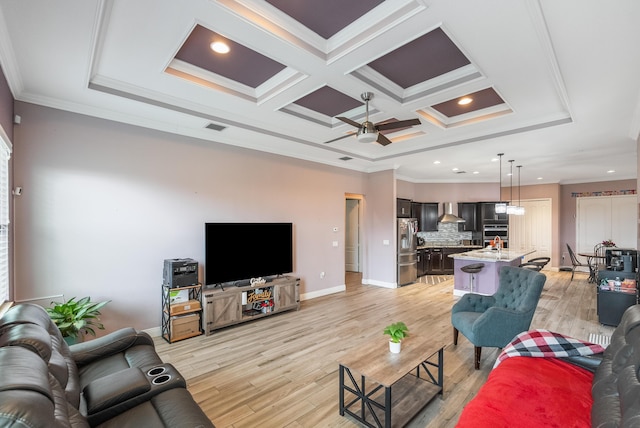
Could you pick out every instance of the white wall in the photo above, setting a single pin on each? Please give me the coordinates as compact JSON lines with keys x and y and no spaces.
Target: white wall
{"x":104,"y":204}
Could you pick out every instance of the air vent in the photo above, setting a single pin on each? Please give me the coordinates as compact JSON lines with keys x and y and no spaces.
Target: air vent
{"x":460,"y":172}
{"x":345,"y":158}
{"x":215,"y":127}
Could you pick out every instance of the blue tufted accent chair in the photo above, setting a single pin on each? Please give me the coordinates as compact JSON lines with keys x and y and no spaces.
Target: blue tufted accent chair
{"x":493,"y":321}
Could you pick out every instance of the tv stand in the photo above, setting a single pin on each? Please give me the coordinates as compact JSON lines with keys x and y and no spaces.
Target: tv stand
{"x":234,"y":305}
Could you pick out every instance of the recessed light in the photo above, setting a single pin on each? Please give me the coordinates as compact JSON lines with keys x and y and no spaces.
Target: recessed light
{"x":220,"y":47}
{"x":454,"y":169}
{"x":436,"y":162}
{"x":611,"y":171}
{"x":464,"y":101}
{"x":476,"y":172}
{"x":494,"y":160}
{"x":539,"y":178}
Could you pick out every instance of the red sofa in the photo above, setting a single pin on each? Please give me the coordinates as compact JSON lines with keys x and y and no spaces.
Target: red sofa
{"x":595,"y":391}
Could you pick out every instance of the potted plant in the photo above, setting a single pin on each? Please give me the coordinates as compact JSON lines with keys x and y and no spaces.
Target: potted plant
{"x":75,"y":316}
{"x":397,"y":331}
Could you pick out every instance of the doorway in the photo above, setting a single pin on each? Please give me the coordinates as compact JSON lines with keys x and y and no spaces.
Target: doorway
{"x":353,"y":239}
{"x":352,"y":236}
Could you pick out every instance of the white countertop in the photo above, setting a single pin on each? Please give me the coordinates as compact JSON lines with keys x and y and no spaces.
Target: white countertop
{"x":487,"y":255}
{"x":422,"y":247}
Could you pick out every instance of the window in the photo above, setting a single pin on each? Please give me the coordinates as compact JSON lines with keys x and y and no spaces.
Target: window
{"x":5,"y":153}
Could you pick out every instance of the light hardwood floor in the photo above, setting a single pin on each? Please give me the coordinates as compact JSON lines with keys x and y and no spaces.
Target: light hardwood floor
{"x":281,"y":371}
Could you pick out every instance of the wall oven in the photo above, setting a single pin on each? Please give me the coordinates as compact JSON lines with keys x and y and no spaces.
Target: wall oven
{"x":490,"y":231}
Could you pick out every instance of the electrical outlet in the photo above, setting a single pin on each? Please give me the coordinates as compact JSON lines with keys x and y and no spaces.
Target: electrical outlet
{"x":321,"y":275}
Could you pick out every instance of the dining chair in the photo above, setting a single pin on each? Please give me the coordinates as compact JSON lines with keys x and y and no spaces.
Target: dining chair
{"x":598,"y":260}
{"x":599,"y":250}
{"x":575,"y":262}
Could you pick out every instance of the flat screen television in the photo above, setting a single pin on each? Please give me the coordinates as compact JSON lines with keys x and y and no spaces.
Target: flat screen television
{"x":241,"y":251}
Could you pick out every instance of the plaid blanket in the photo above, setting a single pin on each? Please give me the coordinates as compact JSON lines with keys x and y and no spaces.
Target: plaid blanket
{"x":545,"y":343}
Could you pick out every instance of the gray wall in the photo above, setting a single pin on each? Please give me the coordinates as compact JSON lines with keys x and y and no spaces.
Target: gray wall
{"x":104,"y":204}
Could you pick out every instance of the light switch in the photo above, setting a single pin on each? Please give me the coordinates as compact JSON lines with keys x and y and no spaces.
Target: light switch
{"x":385,"y":242}
{"x":335,"y":243}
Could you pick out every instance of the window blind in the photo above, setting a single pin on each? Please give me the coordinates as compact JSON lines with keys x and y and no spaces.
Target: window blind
{"x":5,"y":153}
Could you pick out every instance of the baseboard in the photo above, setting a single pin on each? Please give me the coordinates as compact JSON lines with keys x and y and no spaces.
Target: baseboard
{"x":323,"y":292}
{"x":379,"y":283}
{"x":459,"y":293}
{"x":154,"y":331}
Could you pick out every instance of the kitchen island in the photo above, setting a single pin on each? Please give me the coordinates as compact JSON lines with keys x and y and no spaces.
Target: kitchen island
{"x":486,"y":281}
{"x":435,"y":260}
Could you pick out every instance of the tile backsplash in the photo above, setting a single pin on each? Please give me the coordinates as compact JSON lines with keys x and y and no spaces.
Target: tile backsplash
{"x":447,"y":234}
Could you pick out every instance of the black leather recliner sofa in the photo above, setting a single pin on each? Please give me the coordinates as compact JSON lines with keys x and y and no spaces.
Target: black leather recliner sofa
{"x":117,"y":380}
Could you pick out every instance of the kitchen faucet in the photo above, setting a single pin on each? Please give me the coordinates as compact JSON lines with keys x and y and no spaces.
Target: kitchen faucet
{"x":497,"y":241}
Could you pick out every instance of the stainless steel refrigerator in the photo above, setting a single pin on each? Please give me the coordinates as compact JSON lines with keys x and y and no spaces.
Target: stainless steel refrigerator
{"x":407,"y":251}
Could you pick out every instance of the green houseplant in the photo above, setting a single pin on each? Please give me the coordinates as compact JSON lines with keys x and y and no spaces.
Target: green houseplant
{"x":396,"y":331}
{"x":74,"y":316}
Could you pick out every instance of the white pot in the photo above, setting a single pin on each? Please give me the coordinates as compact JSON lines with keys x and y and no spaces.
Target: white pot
{"x":394,"y":347}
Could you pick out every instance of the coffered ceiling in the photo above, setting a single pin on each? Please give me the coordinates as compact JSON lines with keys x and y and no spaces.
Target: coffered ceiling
{"x":553,"y":84}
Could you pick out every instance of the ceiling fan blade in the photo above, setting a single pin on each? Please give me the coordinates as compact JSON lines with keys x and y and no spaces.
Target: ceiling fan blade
{"x":398,"y":124}
{"x":383,"y":140}
{"x":349,"y":121}
{"x":350,"y":134}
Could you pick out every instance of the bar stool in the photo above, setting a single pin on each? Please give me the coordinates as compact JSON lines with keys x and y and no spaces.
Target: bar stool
{"x":472,"y":270}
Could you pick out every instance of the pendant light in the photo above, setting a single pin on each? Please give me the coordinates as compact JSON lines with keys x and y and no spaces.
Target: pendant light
{"x":501,"y":207}
{"x":519,"y":208}
{"x":511,"y":209}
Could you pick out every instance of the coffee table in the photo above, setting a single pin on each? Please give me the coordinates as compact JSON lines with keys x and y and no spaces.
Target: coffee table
{"x":392,"y":387}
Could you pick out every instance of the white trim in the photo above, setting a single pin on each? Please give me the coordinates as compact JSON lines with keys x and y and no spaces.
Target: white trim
{"x":154,"y":331}
{"x":323,"y":292}
{"x":459,"y":293}
{"x":379,"y":283}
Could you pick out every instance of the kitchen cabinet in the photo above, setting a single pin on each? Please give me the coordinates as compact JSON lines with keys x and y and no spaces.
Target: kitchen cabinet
{"x":447,"y":262}
{"x":487,"y":213}
{"x":423,"y":259}
{"x":427,"y":215}
{"x":403,"y":208}
{"x":435,"y":263}
{"x":469,"y":212}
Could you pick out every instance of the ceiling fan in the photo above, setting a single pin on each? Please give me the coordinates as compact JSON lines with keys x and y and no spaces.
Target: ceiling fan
{"x":369,"y":132}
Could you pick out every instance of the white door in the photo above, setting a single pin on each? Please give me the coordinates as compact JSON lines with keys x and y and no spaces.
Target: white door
{"x":352,"y":236}
{"x":533,"y":229}
{"x":623,"y":217}
{"x":593,"y":220}
{"x":601,"y":218}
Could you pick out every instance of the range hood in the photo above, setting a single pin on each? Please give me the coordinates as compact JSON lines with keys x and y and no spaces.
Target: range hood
{"x":448,"y":216}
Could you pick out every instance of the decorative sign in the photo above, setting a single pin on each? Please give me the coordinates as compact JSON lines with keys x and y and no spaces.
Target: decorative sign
{"x":603,"y":193}
{"x":259,"y":295}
